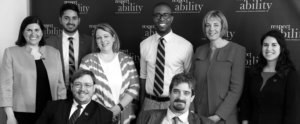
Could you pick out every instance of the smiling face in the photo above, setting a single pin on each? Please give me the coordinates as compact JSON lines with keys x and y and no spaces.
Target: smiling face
{"x":70,"y":21}
{"x":104,"y":40}
{"x":33,"y":34}
{"x":181,"y":97}
{"x":83,"y":89}
{"x":162,"y":18}
{"x":270,"y":49}
{"x":213,"y":28}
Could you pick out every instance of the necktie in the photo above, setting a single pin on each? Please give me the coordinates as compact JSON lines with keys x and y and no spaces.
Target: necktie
{"x":159,"y":69}
{"x":71,"y":58}
{"x":75,"y":115}
{"x":175,"y":120}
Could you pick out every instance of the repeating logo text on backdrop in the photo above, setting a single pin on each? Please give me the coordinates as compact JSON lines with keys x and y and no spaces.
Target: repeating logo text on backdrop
{"x":251,"y":59}
{"x":290,"y":33}
{"x":187,"y":6}
{"x":127,"y":7}
{"x":149,"y":30}
{"x":254,"y":6}
{"x":83,"y":8}
{"x":229,"y":35}
{"x":51,"y":30}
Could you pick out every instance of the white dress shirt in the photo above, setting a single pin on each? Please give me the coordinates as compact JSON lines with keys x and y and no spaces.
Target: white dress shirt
{"x":74,"y":108}
{"x":183,"y":118}
{"x":178,"y":56}
{"x":65,"y":49}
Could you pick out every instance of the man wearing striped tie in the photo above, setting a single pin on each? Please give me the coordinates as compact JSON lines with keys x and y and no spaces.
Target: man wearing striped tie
{"x":163,"y":55}
{"x":73,"y":46}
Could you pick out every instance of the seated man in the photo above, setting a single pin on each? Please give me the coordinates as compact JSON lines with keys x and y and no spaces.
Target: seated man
{"x":181,"y":93}
{"x":82,"y":109}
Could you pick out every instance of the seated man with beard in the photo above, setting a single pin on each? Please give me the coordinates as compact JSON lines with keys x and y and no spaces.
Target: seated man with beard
{"x":181,"y":93}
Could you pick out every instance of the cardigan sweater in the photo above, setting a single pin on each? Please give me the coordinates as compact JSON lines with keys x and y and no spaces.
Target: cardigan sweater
{"x":103,"y":93}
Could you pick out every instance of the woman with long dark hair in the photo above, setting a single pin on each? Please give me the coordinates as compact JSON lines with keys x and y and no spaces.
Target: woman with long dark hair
{"x":270,"y":95}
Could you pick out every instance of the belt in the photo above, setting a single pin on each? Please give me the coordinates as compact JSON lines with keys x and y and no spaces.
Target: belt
{"x":158,"y":99}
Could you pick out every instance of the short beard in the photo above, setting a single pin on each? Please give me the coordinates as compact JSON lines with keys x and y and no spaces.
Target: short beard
{"x":70,"y":32}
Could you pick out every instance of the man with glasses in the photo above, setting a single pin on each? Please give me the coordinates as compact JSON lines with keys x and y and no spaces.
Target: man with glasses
{"x":80,"y":110}
{"x":163,"y":55}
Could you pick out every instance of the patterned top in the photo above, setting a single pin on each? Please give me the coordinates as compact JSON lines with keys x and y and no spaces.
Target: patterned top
{"x":103,"y":93}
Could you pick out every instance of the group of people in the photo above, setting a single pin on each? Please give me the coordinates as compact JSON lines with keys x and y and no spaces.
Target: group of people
{"x":69,"y":79}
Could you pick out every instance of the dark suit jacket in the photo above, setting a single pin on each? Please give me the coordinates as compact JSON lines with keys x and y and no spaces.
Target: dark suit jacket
{"x":277,"y":103}
{"x":57,"y":112}
{"x":157,"y":116}
{"x":86,"y":45}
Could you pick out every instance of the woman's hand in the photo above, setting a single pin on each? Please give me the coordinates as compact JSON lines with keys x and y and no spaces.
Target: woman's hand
{"x":11,"y":120}
{"x":115,"y":110}
{"x":214,"y":118}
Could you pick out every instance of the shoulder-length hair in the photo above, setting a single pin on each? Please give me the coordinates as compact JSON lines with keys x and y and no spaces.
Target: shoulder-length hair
{"x":30,"y":20}
{"x":284,"y":63}
{"x":106,"y":27}
{"x":219,"y":15}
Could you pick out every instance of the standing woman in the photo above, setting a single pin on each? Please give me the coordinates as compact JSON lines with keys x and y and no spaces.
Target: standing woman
{"x":219,"y":70}
{"x":30,"y":75}
{"x":116,"y":76}
{"x":271,"y":94}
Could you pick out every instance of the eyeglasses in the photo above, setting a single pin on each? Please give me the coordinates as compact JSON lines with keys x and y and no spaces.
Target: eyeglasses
{"x":79,"y":85}
{"x":163,"y":15}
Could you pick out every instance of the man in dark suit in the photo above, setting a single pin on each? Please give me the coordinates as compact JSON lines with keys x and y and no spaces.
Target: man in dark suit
{"x":81,"y":44}
{"x":82,"y":109}
{"x":181,"y":93}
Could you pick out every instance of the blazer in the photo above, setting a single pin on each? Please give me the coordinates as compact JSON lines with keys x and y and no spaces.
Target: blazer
{"x":86,"y":46}
{"x":277,"y":103}
{"x":57,"y":112}
{"x":156,"y":117}
{"x":222,"y":80}
{"x":18,"y":77}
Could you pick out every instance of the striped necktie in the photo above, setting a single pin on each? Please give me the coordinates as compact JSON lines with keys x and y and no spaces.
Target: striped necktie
{"x":71,"y":57}
{"x":75,"y":115}
{"x":159,"y":68}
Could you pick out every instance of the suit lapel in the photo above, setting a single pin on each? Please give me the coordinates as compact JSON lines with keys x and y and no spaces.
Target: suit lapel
{"x":60,"y":48}
{"x":81,"y":47}
{"x":66,"y":111}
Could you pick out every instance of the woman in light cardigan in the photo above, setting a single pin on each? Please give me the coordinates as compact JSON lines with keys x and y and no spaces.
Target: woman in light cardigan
{"x":30,"y":75}
{"x":116,"y":76}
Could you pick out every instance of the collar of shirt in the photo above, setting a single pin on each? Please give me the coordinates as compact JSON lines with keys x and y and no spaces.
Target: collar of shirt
{"x":167,"y":37}
{"x":66,"y":36}
{"x":183,"y":117}
{"x":74,"y":107}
